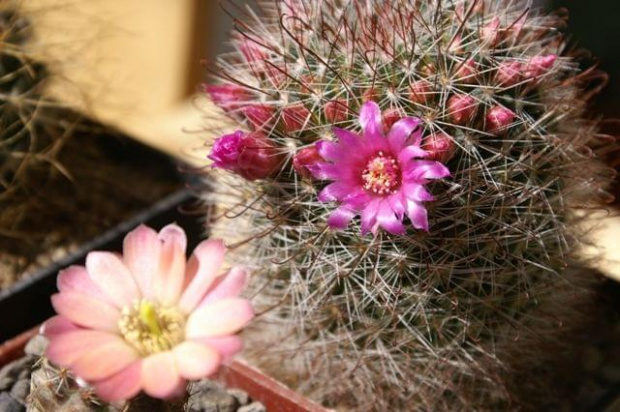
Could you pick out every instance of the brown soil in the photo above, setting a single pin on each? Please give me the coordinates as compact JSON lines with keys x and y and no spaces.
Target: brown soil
{"x":102,"y":179}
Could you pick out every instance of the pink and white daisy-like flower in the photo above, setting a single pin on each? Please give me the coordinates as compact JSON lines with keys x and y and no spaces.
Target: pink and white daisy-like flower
{"x":147,"y":320}
{"x":379,"y":177}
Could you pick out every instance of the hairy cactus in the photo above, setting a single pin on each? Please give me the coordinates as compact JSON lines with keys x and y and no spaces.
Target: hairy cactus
{"x":383,"y":314}
{"x":31,"y":132}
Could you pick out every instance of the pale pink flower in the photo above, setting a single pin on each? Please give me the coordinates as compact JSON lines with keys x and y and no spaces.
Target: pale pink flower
{"x":147,"y":320}
{"x":376,"y":176}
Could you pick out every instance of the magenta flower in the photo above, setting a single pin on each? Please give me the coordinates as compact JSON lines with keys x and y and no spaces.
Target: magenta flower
{"x":379,"y":177}
{"x":250,"y":155}
{"x":147,"y":320}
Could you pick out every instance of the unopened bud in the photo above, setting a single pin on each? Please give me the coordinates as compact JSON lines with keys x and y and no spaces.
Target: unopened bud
{"x":499,"y":119}
{"x":439,"y":146}
{"x":462,"y":109}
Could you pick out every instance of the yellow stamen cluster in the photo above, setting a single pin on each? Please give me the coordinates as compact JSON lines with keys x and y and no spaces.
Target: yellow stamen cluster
{"x":382,"y":175}
{"x":151,"y":328}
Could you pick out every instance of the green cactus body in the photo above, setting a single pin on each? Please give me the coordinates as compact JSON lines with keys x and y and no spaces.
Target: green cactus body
{"x":428,"y":321}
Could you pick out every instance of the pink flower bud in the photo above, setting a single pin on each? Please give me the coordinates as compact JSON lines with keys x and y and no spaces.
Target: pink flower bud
{"x":251,"y":51}
{"x":461,"y":109}
{"x":456,"y":46}
{"x":491,"y":34}
{"x":390,"y":117}
{"x":466,"y":72}
{"x":463,"y":8}
{"x":336,"y":111}
{"x":227,"y":96}
{"x":499,"y":119}
{"x":538,"y":66}
{"x":420,"y":91}
{"x":439,"y":146}
{"x":251,"y":156}
{"x":509,"y":73}
{"x":516,"y":28}
{"x":260,"y":116}
{"x":295,"y":117}
{"x":305,"y":159}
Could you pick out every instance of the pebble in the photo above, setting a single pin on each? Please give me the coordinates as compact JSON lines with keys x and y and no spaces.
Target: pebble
{"x":10,"y":373}
{"x":209,"y":396}
{"x":242,"y":397}
{"x":20,"y":390}
{"x":8,"y":404}
{"x":253,"y":407}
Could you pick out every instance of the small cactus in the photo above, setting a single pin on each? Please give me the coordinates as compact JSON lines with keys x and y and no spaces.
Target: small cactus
{"x":409,"y":320}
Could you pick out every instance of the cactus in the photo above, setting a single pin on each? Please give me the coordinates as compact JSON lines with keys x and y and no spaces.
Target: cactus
{"x":449,"y":319}
{"x":31,"y":132}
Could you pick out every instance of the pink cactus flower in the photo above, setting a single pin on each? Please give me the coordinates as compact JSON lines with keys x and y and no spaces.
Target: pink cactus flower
{"x":294,"y":117}
{"x":376,"y":176}
{"x":227,"y":96}
{"x":306,"y":160}
{"x":499,"y":119}
{"x":439,"y":146}
{"x":147,"y":320}
{"x":420,"y":91}
{"x":539,"y":65}
{"x":461,"y":109}
{"x":509,"y":73}
{"x":250,"y":155}
{"x":336,"y":111}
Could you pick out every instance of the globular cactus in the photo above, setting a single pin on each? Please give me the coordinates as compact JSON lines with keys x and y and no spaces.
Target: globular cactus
{"x":437,"y":301}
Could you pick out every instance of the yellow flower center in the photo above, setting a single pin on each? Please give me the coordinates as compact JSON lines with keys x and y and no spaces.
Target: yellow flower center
{"x":382,"y":175}
{"x":151,"y":328}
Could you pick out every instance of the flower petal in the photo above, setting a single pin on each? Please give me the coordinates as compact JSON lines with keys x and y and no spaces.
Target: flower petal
{"x":410,"y":152}
{"x":76,"y":279}
{"x":226,"y":286}
{"x":425,"y":169}
{"x":335,"y":191}
{"x":369,"y":217}
{"x":104,"y":360}
{"x":121,"y":386}
{"x":195,"y":360}
{"x":227,"y":346}
{"x":329,"y":150}
{"x":346,"y":139}
{"x":209,"y":255}
{"x":220,"y":318}
{"x":57,"y":325}
{"x":340,"y":218}
{"x":86,"y":311}
{"x":112,"y":277}
{"x":64,"y":349}
{"x":418,"y":215}
{"x":371,"y":121}
{"x":141,"y":254}
{"x":169,"y":280}
{"x":417,"y":192}
{"x":401,"y":130}
{"x":160,"y":376}
{"x":387,"y":220}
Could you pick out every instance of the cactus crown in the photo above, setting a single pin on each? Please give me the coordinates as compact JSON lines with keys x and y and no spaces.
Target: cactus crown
{"x":419,"y":315}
